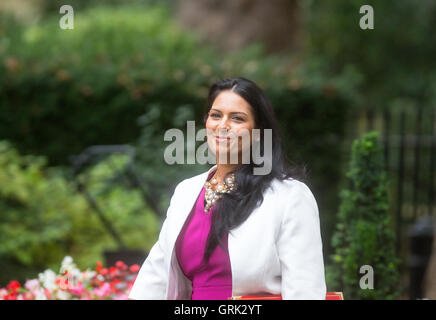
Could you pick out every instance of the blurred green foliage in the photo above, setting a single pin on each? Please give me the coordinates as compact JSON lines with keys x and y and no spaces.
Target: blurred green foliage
{"x":97,"y":79}
{"x":393,"y":62}
{"x":127,"y":74}
{"x":83,"y":86}
{"x":43,"y":218}
{"x":364,"y":234}
{"x":100,"y":77}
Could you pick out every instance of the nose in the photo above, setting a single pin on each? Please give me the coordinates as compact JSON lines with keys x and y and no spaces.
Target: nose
{"x":223,"y":126}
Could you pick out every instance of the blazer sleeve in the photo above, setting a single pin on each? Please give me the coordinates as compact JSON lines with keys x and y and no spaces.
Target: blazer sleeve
{"x":152,"y":279}
{"x":299,"y":247}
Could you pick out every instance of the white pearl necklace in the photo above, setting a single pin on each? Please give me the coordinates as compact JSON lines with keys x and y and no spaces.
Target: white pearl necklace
{"x":212,"y":196}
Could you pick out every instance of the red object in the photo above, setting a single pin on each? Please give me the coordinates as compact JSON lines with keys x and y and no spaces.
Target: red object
{"x":47,"y":293}
{"x":99,"y":266}
{"x":121,"y":265}
{"x":329,"y":296}
{"x":134,"y":268}
{"x":334,"y":296}
{"x":10,"y":296}
{"x":113,"y":284}
{"x":13,"y":285}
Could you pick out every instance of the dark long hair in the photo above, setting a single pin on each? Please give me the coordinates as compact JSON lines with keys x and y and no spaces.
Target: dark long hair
{"x":235,"y":207}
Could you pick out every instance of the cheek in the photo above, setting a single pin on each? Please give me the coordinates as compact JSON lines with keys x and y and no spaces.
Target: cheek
{"x":210,"y":137}
{"x":243,"y":138}
{"x":209,"y":128}
{"x":244,"y":130}
{"x":210,"y":125}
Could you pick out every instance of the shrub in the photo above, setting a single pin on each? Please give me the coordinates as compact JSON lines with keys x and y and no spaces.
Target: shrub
{"x":95,"y":81}
{"x":363,"y":235}
{"x":43,"y":217}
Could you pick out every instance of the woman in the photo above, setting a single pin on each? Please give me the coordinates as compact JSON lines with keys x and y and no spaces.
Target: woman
{"x":230,"y":232}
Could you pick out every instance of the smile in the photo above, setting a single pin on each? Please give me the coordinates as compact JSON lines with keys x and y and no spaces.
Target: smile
{"x":222,"y":139}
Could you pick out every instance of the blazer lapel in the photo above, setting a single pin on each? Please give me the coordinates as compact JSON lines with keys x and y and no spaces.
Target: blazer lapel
{"x":177,"y":281}
{"x":187,"y":200}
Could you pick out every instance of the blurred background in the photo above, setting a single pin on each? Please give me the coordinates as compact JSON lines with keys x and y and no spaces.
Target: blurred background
{"x":83,"y":112}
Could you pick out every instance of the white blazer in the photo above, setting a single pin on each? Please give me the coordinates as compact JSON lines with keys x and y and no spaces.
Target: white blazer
{"x":277,"y":250}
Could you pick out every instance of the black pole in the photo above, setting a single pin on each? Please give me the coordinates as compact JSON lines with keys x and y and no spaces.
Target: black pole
{"x":431,"y":191}
{"x":107,"y":224}
{"x":387,"y":127}
{"x":400,"y":183}
{"x":369,"y":119}
{"x":416,"y":160}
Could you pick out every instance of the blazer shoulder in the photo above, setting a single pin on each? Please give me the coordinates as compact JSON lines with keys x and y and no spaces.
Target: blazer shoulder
{"x":188,"y":182}
{"x":292,"y":188}
{"x":290,"y":185}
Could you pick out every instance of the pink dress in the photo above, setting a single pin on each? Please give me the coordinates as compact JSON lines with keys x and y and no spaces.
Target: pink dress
{"x":210,"y":281}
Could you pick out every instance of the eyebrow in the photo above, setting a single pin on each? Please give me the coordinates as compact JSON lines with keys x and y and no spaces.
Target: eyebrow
{"x":236,"y":112}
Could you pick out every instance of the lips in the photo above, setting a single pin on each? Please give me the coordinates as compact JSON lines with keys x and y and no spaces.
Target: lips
{"x":222,"y":139}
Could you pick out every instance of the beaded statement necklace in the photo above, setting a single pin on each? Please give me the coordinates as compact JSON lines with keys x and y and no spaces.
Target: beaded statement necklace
{"x":212,"y":196}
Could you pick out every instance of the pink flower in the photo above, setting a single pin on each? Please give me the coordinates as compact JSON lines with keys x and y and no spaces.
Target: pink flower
{"x":77,"y":290}
{"x":47,"y":293}
{"x":103,"y":291}
{"x":32,"y":285}
{"x":3,"y":292}
{"x":104,"y":283}
{"x":28,"y":296}
{"x":121,"y":296}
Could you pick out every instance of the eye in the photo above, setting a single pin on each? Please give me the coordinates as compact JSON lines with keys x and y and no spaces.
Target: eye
{"x":238,"y":118}
{"x":214,"y":115}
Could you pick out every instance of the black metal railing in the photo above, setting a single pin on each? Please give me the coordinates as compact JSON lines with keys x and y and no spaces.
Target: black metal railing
{"x":409,"y":142}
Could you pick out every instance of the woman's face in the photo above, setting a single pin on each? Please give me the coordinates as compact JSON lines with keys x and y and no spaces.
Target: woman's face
{"x":229,"y":117}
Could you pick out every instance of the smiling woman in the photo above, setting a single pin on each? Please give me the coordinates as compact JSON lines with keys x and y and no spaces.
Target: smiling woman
{"x":261,"y":234}
{"x":229,"y":118}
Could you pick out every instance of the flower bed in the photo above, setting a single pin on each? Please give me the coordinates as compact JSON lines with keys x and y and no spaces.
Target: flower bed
{"x":112,"y":283}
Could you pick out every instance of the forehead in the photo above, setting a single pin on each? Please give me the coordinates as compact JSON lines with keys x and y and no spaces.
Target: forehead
{"x":228,"y":101}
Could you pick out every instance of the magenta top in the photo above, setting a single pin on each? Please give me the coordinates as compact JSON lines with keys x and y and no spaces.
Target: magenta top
{"x":210,"y":281}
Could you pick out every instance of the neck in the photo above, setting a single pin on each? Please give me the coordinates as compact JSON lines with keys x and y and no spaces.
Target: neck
{"x":223,"y":169}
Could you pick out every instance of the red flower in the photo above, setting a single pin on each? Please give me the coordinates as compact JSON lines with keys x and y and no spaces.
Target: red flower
{"x":113,"y":271}
{"x":10,"y":296}
{"x":13,"y":285}
{"x":62,"y":283}
{"x":134,"y":268}
{"x":104,"y":271}
{"x":121,"y":265}
{"x":99,"y":266}
{"x":95,"y":282}
{"x":47,"y":293}
{"x":114,"y":284}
